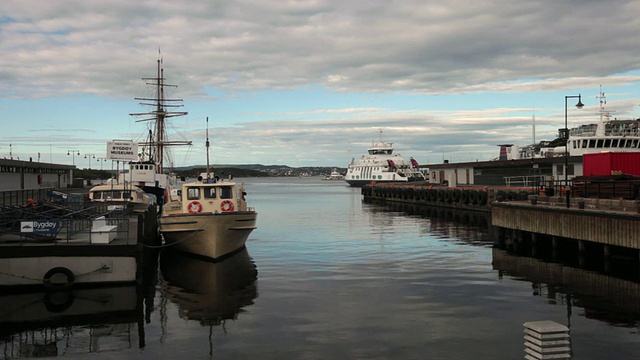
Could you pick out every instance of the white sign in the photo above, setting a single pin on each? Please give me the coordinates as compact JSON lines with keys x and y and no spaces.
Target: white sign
{"x":122,"y":150}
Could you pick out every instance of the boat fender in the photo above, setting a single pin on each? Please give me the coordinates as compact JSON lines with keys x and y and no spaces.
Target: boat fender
{"x":58,"y":278}
{"x":226,"y":205}
{"x":58,"y":301}
{"x":464,"y":197}
{"x":194,"y":207}
{"x":473,"y":197}
{"x":482,"y":197}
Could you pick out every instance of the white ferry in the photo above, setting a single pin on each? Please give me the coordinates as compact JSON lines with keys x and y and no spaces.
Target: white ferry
{"x":382,"y":165}
{"x":606,"y":135}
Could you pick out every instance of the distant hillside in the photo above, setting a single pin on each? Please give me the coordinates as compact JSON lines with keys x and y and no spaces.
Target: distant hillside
{"x":258,"y":170}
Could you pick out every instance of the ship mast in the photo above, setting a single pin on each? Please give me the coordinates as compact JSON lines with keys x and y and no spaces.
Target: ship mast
{"x":160,"y":104}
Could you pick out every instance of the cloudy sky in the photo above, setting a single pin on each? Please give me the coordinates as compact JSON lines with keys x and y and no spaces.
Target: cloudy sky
{"x":311,"y":82}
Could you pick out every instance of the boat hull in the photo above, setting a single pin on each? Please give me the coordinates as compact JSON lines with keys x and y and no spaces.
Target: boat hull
{"x":211,"y":235}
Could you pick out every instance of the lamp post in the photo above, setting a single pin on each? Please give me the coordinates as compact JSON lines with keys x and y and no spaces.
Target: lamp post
{"x":565,"y":136}
{"x":89,"y":156}
{"x":73,"y":155}
{"x":101,"y":160}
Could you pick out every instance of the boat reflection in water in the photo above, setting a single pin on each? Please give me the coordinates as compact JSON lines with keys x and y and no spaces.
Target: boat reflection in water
{"x":75,"y":321}
{"x":206,"y":291}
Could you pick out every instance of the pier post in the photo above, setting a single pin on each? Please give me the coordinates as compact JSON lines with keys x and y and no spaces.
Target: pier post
{"x":500,"y":235}
{"x":534,"y":244}
{"x":581,"y":253}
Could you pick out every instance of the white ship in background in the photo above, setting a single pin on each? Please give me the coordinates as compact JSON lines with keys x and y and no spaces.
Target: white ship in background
{"x":381,"y":165}
{"x":606,"y":135}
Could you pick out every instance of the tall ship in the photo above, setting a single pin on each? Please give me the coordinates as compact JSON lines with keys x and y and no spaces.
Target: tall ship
{"x":382,"y":165}
{"x":151,"y":171}
{"x":606,"y":135}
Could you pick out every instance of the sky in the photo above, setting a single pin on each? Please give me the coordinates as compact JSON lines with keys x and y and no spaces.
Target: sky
{"x":311,"y":82}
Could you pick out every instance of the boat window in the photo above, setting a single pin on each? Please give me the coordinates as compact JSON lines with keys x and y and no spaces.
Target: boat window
{"x":584,"y":143}
{"x":592,"y":144}
{"x":226,"y":192}
{"x":574,"y":144}
{"x":635,"y":143}
{"x":126,"y":195}
{"x":97,"y":195}
{"x":607,"y":143}
{"x":193,"y":193}
{"x":116,"y":194}
{"x":628,"y":143}
{"x":614,"y":143}
{"x":560,"y":169}
{"x":210,"y":193}
{"x":600,"y":142}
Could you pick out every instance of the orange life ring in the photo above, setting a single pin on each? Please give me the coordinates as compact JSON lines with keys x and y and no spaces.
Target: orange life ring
{"x":226,"y":205}
{"x":194,"y":207}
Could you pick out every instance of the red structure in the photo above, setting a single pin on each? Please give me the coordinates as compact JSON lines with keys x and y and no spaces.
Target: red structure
{"x":613,"y":163}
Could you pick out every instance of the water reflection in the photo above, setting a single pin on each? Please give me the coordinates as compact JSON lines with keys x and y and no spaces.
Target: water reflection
{"x":603,"y":297}
{"x":36,"y":324}
{"x":205,"y":291}
{"x":472,"y":227}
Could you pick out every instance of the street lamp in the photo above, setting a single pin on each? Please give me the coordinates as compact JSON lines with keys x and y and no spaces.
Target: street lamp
{"x":565,"y":136}
{"x":89,"y":156}
{"x":73,"y":155}
{"x":101,"y":160}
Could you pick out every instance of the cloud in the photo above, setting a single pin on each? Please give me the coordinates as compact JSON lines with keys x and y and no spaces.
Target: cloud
{"x":413,"y":46}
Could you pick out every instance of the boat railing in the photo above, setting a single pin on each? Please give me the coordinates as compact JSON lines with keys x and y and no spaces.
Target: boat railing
{"x":21,"y":197}
{"x":534,"y":181}
{"x":65,"y":224}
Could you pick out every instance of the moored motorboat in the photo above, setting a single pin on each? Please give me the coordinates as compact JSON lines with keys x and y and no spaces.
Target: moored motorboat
{"x":382,"y":165}
{"x":209,"y":217}
{"x":122,"y":195}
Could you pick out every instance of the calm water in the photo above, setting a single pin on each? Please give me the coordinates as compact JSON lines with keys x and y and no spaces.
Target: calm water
{"x":327,"y":276}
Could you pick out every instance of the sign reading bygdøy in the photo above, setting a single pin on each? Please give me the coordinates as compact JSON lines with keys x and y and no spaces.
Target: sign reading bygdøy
{"x":40,"y":226}
{"x":122,"y":150}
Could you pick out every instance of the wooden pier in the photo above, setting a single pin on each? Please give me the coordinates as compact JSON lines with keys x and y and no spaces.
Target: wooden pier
{"x":522,"y":216}
{"x":472,"y":198}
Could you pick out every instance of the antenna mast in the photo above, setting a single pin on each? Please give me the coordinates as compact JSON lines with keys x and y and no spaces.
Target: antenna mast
{"x":207,"y":145}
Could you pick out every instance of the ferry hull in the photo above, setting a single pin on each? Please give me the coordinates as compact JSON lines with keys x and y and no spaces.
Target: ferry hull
{"x":361,"y":183}
{"x":211,"y":235}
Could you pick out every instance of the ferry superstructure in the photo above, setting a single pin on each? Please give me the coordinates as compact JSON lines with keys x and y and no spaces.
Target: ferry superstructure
{"x":606,"y":135}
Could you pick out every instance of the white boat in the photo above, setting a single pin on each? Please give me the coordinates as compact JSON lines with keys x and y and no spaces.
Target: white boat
{"x":122,"y":195}
{"x":335,"y":175}
{"x":605,"y":135}
{"x":209,"y":217}
{"x":149,"y":172}
{"x":382,"y":165}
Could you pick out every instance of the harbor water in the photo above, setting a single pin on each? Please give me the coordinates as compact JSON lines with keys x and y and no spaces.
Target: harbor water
{"x":327,"y":275}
